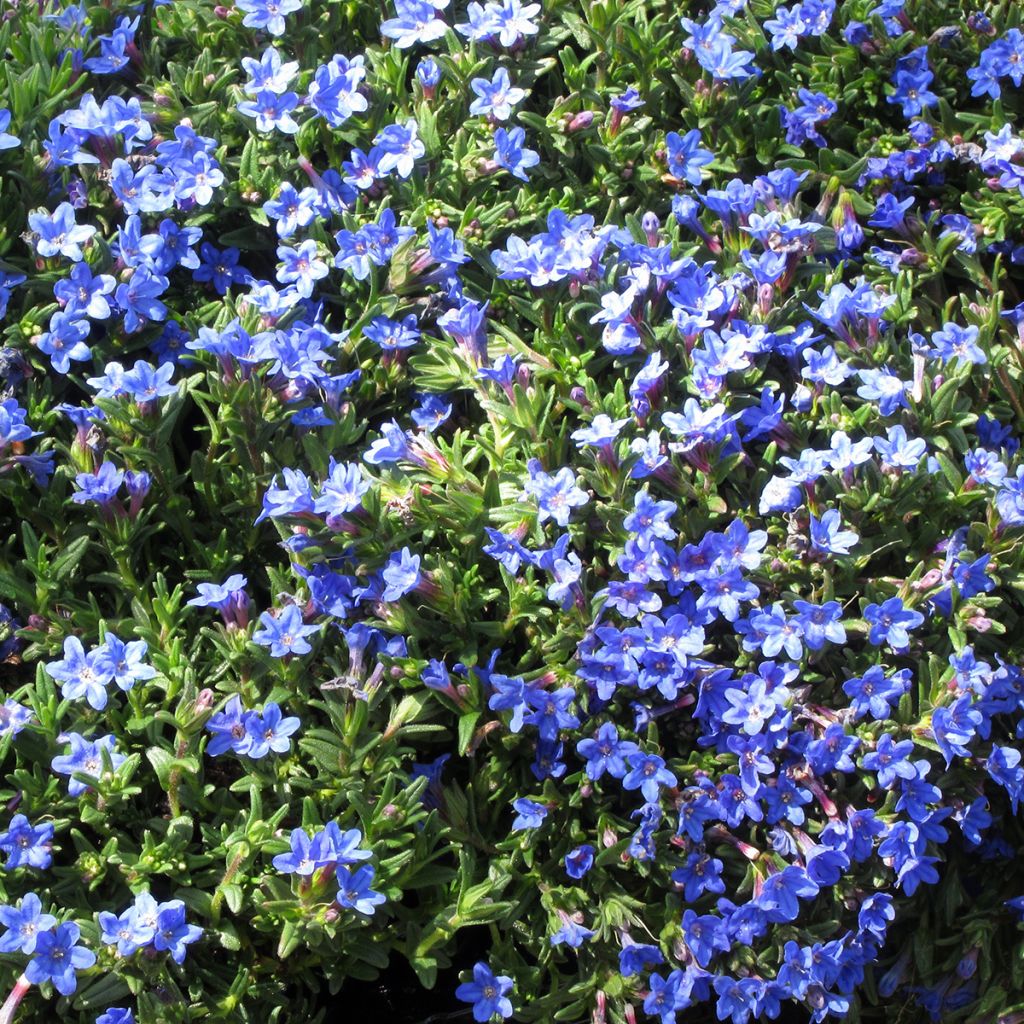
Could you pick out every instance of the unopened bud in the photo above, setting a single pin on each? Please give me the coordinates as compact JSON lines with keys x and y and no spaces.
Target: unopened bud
{"x":582,"y":120}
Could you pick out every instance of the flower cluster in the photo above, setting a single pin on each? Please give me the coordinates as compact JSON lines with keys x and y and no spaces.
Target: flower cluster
{"x":582,"y":441}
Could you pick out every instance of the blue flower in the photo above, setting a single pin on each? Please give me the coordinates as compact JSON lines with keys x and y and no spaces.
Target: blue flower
{"x":146,"y":383}
{"x":285,"y":634}
{"x":133,"y":929}
{"x":173,"y":933}
{"x":341,"y":493}
{"x":24,"y":924}
{"x":827,"y":537}
{"x":487,"y":992}
{"x":416,"y":22}
{"x":57,"y":957}
{"x":496,"y":97}
{"x":268,"y":731}
{"x":428,"y":73}
{"x":571,"y":934}
{"x":529,"y":814}
{"x":221,"y":596}
{"x":229,"y":729}
{"x":81,"y":674}
{"x":59,"y":234}
{"x":579,"y":861}
{"x":685,"y":156}
{"x":557,"y":494}
{"x":401,"y":575}
{"x":301,"y":267}
{"x":291,"y":210}
{"x":7,"y":141}
{"x":335,"y":93}
{"x":305,"y":856}
{"x":510,"y":153}
{"x":267,"y":14}
{"x":393,"y":335}
{"x":139,"y":298}
{"x":355,"y":892}
{"x":432,"y":411}
{"x":88,"y":758}
{"x":636,"y":957}
{"x":295,"y":498}
{"x":65,"y":341}
{"x":84,"y":295}
{"x":889,"y":761}
{"x":27,"y":845}
{"x":704,"y":935}
{"x":220,"y":267}
{"x":647,"y":772}
{"x":116,"y":1015}
{"x":268,"y":72}
{"x":126,"y":661}
{"x":13,"y":716}
{"x":875,"y":693}
{"x":891,"y":623}
{"x":885,"y":387}
{"x":898,"y":450}
{"x":959,"y":343}
{"x":401,"y":147}
{"x":606,"y":753}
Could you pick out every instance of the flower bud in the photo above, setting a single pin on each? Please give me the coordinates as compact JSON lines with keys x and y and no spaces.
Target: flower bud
{"x":582,"y":120}
{"x":650,"y":223}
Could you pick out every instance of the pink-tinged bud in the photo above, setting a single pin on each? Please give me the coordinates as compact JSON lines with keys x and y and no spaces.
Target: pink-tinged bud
{"x":481,"y":734}
{"x":723,"y":835}
{"x":765,"y":296}
{"x":581,"y":121}
{"x":629,"y":1013}
{"x":137,"y":485}
{"x":980,"y":622}
{"x":599,"y":1015}
{"x":930,"y":579}
{"x":577,"y":394}
{"x":608,"y":838}
{"x":222,"y":12}
{"x":204,"y":700}
{"x":919,"y":367}
{"x":823,"y":798}
{"x":650,"y":224}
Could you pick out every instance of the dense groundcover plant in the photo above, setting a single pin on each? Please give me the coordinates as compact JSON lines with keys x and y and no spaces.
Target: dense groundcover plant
{"x":546,"y":474}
